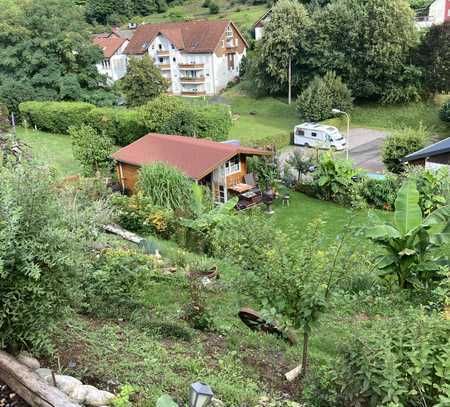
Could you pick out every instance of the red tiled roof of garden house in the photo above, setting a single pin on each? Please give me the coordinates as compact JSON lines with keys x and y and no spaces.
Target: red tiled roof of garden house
{"x":189,"y":36}
{"x":109,"y":45}
{"x":195,"y":157}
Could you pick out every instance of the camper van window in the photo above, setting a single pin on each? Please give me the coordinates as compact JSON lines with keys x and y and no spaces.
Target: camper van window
{"x":299,"y":132}
{"x":314,"y":134}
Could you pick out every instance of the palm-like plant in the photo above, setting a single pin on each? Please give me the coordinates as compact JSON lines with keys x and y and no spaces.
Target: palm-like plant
{"x":410,"y":243}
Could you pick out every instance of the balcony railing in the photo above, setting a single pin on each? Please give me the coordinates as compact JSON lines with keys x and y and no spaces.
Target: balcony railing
{"x":191,"y":66}
{"x":189,"y":79}
{"x":163,"y":53}
{"x":164,"y":67}
{"x":190,"y":93}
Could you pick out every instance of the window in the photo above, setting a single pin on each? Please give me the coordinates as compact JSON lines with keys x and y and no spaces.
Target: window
{"x":174,"y":59}
{"x":299,"y":132}
{"x":172,"y":46}
{"x":106,"y":64}
{"x":221,"y":195}
{"x":229,"y":32}
{"x":232,"y":166}
{"x":161,"y":60}
{"x":314,"y":134}
{"x":159,"y":46}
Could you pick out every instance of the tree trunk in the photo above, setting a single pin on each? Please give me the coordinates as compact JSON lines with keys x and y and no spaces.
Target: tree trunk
{"x":29,"y":386}
{"x":305,"y":354}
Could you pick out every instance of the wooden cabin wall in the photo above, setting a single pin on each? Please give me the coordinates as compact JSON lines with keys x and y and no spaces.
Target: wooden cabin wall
{"x":127,"y":175}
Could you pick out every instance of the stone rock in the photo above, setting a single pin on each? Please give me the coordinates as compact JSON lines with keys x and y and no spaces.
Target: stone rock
{"x":66,"y":383}
{"x":78,"y":394}
{"x":217,"y":403}
{"x":26,"y":359}
{"x":97,"y":398}
{"x":44,"y":373}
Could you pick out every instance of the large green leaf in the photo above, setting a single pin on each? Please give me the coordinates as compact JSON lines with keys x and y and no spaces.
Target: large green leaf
{"x":439,"y":216}
{"x":382,"y":232}
{"x":408,"y":215}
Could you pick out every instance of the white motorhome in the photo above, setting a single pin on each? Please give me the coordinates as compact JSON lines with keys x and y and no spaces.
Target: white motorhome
{"x":318,"y":136}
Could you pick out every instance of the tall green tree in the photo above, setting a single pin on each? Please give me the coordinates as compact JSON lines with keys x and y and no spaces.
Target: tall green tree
{"x":46,"y":54}
{"x":433,"y":55}
{"x":91,"y":149}
{"x":369,"y":44}
{"x":285,"y":37}
{"x":142,"y":82}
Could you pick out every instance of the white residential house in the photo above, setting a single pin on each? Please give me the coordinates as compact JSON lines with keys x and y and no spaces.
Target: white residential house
{"x":114,"y":62}
{"x":197,"y":57}
{"x":436,"y":13}
{"x":259,"y":25}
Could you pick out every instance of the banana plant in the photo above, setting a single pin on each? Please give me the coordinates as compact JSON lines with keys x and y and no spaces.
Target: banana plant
{"x":411,"y":242}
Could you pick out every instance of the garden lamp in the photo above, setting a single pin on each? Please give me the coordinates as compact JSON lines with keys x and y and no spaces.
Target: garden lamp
{"x":201,"y":395}
{"x":336,"y":112}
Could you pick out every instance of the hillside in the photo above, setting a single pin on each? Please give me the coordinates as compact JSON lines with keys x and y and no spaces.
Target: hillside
{"x":242,"y":14}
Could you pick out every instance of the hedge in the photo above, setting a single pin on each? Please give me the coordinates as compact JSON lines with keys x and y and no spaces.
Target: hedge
{"x":123,"y":126}
{"x":55,"y":117}
{"x":167,"y":115}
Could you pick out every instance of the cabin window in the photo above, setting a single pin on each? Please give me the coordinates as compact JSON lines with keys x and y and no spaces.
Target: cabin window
{"x":161,"y":60}
{"x":172,"y":46}
{"x":160,"y":46}
{"x":314,"y":134}
{"x":229,"y":32}
{"x":221,"y":194}
{"x":232,"y":166}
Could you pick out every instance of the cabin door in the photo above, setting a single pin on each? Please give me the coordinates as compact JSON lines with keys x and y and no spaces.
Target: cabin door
{"x":230,"y":58}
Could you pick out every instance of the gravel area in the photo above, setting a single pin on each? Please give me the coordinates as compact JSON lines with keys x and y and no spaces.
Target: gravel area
{"x":10,"y":399}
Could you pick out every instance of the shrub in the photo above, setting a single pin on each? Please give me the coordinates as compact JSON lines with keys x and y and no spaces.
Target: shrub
{"x":213,"y":8}
{"x":117,"y":283}
{"x":401,"y":143}
{"x":433,"y":187}
{"x":322,"y":95}
{"x":165,"y":186}
{"x":401,"y":362}
{"x":380,"y":193}
{"x":168,"y":115}
{"x":206,"y":3}
{"x":213,"y":121}
{"x":333,"y":180}
{"x":42,"y":245}
{"x":444,"y":113}
{"x":138,"y":214}
{"x":55,"y":117}
{"x":195,"y":311}
{"x":123,"y":126}
{"x":90,"y":148}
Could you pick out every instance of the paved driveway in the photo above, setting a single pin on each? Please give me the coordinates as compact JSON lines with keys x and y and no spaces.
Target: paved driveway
{"x":365,"y":149}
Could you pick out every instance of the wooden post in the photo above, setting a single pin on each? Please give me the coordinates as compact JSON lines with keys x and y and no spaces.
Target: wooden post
{"x":29,"y":386}
{"x":289,"y":79}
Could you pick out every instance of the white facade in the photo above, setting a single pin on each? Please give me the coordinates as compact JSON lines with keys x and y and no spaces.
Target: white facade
{"x":198,"y":74}
{"x":438,"y":13}
{"x":115,"y":67}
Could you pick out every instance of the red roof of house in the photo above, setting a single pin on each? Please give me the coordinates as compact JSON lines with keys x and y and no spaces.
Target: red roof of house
{"x":190,"y":36}
{"x":195,"y":157}
{"x":109,"y":44}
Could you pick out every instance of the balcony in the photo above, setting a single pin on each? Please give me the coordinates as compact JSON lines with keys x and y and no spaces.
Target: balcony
{"x":191,"y":66}
{"x":191,"y":93}
{"x":162,"y":53}
{"x":189,"y":79}
{"x":164,"y":67}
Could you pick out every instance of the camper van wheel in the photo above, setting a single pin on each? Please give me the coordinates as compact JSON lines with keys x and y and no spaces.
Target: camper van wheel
{"x":333,"y":148}
{"x":306,"y":145}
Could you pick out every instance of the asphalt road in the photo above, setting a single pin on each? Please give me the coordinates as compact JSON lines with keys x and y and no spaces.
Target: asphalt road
{"x":364,"y":149}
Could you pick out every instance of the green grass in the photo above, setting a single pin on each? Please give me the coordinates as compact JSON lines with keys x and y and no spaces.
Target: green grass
{"x":260,"y":119}
{"x":397,"y":117}
{"x":54,"y":150}
{"x":241,"y":14}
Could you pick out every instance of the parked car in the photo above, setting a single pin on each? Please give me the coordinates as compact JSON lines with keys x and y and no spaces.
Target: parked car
{"x":318,"y":136}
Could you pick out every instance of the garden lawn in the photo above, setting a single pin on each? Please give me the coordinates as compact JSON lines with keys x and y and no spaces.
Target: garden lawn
{"x":54,"y":150}
{"x":303,"y":209}
{"x":260,"y":121}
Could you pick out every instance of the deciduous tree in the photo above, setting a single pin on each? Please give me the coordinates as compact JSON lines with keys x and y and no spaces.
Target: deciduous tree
{"x":142,"y":82}
{"x":46,"y":54}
